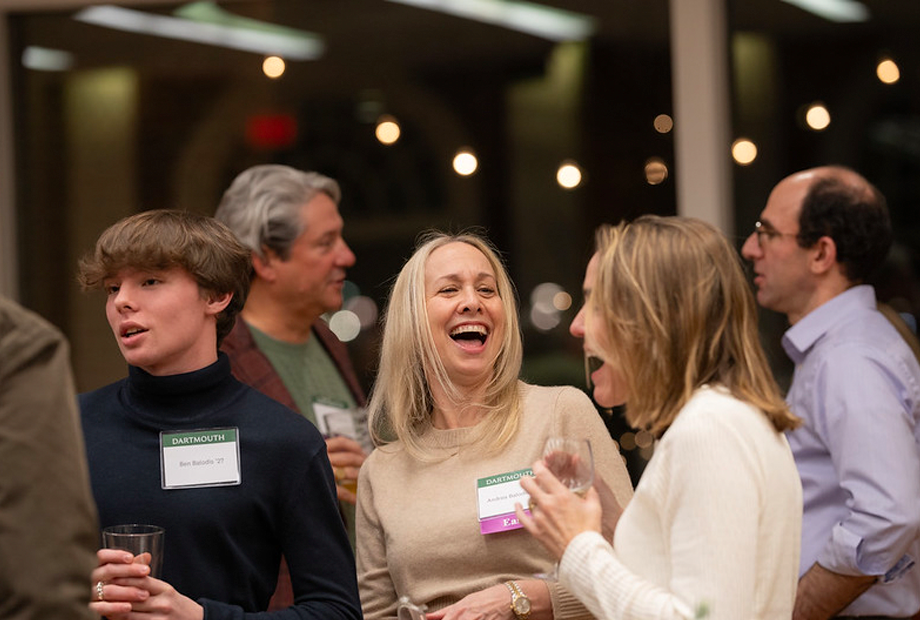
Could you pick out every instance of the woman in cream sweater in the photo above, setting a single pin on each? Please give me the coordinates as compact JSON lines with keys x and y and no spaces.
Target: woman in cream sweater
{"x":455,"y":430}
{"x":713,"y":530}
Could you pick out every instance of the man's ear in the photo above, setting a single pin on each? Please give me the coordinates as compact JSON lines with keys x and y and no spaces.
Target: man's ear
{"x":823,"y":255}
{"x":217,"y":303}
{"x":264,"y":265}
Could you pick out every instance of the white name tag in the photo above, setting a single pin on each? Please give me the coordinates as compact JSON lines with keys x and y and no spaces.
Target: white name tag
{"x":204,"y":458}
{"x":497,"y":496}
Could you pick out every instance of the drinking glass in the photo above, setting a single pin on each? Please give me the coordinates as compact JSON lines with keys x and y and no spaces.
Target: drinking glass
{"x":407,"y":610}
{"x":136,"y":539}
{"x":572,"y":462}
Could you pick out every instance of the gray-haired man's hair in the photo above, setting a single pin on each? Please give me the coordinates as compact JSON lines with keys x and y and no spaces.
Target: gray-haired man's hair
{"x":263,"y":205}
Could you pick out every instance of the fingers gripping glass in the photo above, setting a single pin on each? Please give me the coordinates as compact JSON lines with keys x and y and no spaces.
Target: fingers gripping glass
{"x":762,"y":229}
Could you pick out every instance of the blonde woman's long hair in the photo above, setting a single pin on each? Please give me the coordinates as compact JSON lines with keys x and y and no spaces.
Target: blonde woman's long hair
{"x":401,"y":402}
{"x":677,"y":313}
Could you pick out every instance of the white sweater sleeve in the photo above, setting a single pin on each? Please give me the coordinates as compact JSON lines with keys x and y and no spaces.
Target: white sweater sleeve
{"x":592,"y":572}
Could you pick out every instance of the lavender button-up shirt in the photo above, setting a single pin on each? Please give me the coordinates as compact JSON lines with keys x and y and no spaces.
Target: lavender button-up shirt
{"x":857,"y":388}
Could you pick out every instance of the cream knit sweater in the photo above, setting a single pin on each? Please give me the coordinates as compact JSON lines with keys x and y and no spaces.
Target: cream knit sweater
{"x":713,"y":530}
{"x":417,"y":523}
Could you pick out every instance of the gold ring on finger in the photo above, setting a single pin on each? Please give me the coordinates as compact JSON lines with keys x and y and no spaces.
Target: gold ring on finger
{"x":100,"y":594}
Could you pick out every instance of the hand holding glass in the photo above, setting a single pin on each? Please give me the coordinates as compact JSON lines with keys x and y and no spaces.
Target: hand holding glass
{"x":137,"y":539}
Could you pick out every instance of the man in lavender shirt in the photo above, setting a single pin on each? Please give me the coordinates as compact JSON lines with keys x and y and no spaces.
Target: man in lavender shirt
{"x":857,"y":388}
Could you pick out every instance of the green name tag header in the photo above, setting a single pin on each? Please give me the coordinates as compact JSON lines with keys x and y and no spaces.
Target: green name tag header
{"x":500,"y":478}
{"x":198,"y":438}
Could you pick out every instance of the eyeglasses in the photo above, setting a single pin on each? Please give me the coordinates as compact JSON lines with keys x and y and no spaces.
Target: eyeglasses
{"x":762,"y":230}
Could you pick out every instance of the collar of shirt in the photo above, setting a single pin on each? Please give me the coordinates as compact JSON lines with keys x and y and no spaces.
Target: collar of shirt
{"x":799,"y":338}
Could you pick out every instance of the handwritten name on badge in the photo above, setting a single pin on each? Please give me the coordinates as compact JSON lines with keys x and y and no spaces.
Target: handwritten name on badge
{"x":497,"y":496}
{"x":202,"y":458}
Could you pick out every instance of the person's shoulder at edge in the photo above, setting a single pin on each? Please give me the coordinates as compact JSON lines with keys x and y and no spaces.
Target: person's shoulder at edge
{"x":23,"y":333}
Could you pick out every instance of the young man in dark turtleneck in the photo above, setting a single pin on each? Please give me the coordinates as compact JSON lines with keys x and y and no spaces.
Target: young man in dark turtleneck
{"x":175,"y":282}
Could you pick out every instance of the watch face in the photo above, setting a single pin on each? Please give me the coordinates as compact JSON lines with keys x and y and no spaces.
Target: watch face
{"x":522,"y":605}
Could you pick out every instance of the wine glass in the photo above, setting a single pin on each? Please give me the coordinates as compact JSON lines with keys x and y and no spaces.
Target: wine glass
{"x":572,"y":462}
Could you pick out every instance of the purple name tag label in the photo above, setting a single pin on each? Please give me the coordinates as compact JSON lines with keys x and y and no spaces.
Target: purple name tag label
{"x":501,"y":523}
{"x":497,"y":496}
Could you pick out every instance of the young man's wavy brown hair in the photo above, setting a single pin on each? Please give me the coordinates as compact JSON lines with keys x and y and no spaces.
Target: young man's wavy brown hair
{"x":163,"y":239}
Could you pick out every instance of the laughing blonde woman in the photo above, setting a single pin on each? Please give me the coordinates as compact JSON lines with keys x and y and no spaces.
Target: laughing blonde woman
{"x":450,"y":415}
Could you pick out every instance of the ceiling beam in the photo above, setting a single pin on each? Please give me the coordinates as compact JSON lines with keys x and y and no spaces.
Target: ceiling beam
{"x":37,"y":6}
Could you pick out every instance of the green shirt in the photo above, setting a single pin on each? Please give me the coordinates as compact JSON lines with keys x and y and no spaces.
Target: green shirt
{"x":311,"y":376}
{"x":307,"y":372}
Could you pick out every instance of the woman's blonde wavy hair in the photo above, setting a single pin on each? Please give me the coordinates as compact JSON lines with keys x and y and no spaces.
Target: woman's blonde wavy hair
{"x":401,"y":402}
{"x":677,"y":314}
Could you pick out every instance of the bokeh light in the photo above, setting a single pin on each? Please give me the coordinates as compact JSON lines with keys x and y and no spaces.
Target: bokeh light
{"x":387,"y":130}
{"x":663,"y":123}
{"x":465,"y":162}
{"x":346,"y":325}
{"x":644,"y":439}
{"x":542,"y":320}
{"x":656,"y":171}
{"x":628,"y":441}
{"x":744,"y":151}
{"x":888,"y":71}
{"x":817,"y":117}
{"x":569,"y":175}
{"x":365,"y":309}
{"x":273,"y":67}
{"x":562,"y":301}
{"x":547,"y":301}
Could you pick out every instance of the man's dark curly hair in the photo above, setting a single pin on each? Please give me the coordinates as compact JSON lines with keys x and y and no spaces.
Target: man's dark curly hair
{"x":855,"y":216}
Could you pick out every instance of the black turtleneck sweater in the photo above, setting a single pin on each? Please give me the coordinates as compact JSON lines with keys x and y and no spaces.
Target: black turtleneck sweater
{"x":223,"y":544}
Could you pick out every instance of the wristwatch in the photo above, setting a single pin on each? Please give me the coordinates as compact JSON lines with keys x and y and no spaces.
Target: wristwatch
{"x":520,"y":604}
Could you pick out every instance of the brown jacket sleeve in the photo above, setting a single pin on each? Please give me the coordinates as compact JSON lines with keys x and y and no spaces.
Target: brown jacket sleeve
{"x":48,"y":524}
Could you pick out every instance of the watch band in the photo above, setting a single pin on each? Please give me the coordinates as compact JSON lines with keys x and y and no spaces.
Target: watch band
{"x":520,"y":602}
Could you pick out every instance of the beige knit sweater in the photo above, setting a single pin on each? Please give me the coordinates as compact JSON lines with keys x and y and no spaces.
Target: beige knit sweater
{"x":418,"y":531}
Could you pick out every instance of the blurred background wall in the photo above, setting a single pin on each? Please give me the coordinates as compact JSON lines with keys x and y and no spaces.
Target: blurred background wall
{"x":693,"y":106}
